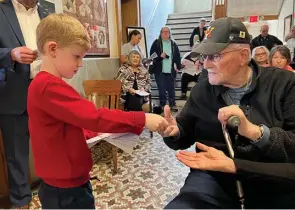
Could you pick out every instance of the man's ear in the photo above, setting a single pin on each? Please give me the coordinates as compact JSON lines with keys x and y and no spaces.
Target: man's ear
{"x":245,"y":55}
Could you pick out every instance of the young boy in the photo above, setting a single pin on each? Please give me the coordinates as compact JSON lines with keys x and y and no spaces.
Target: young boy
{"x":57,"y":116}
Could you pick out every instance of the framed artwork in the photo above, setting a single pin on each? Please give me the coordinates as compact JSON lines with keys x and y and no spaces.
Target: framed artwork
{"x":93,"y":15}
{"x":142,"y":44}
{"x":287,"y":25}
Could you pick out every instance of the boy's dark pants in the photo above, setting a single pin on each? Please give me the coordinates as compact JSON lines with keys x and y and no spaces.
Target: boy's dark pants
{"x":66,"y":198}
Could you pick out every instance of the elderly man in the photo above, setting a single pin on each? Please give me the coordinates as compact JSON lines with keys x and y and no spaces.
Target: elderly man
{"x":19,"y":20}
{"x":265,"y":39}
{"x":200,"y":31}
{"x":264,"y":143}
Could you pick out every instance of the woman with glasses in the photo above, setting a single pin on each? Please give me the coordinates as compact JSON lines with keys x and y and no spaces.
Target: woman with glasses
{"x":165,"y":67}
{"x":280,"y":57}
{"x":260,"y":55}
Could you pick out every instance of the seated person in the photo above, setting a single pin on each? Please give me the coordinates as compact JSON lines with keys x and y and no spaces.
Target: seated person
{"x":263,"y":144}
{"x":190,"y":71}
{"x":134,"y":77}
{"x":280,"y":57}
{"x":260,"y":54}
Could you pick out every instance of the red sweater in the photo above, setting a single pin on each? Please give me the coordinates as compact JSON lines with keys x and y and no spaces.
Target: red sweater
{"x":57,"y":116}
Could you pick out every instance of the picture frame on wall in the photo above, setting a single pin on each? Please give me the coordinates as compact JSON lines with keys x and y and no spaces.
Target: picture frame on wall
{"x":287,"y":25}
{"x":93,"y":15}
{"x":142,"y":44}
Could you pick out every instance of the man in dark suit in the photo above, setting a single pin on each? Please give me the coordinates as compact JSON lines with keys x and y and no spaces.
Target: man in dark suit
{"x":200,"y":30}
{"x":265,"y":39}
{"x":18,"y":66}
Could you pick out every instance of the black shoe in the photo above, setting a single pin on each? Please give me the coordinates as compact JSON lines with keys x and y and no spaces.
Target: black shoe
{"x":183,"y":97}
{"x":173,"y":109}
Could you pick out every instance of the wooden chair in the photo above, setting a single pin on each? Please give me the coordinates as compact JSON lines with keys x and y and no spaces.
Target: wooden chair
{"x":105,"y":94}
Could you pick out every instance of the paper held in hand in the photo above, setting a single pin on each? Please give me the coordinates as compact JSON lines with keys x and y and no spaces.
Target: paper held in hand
{"x":124,"y":141}
{"x":142,"y":93}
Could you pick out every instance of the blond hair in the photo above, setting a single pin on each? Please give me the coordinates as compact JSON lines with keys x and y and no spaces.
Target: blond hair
{"x":62,"y":29}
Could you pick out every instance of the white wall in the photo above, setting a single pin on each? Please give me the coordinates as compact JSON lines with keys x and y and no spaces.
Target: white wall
{"x":186,"y":6}
{"x":154,"y":16}
{"x":287,"y":9}
{"x":254,"y":28}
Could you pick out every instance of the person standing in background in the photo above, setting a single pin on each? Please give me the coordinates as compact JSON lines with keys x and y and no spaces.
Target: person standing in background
{"x":265,"y":39}
{"x":134,"y":38}
{"x":165,"y":66}
{"x":200,"y":30}
{"x":18,"y":66}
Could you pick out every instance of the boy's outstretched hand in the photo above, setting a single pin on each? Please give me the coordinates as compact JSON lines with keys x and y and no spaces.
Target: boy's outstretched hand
{"x":172,"y":128}
{"x":155,"y":123}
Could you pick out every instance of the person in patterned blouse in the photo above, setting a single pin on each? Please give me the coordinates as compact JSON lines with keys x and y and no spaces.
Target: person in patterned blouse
{"x":134,"y":76}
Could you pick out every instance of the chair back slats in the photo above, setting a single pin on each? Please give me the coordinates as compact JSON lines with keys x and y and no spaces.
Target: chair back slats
{"x":103,"y":93}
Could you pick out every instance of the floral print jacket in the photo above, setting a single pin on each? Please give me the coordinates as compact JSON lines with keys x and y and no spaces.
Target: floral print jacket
{"x":127,"y":77}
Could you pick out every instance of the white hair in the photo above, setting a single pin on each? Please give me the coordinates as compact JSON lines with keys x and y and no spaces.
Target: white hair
{"x":260,"y":47}
{"x":203,"y":20}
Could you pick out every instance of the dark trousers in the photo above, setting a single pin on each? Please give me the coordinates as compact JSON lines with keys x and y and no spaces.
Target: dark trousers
{"x":203,"y":190}
{"x":185,"y":79}
{"x":66,"y":198}
{"x":166,"y":83}
{"x":133,"y":102}
{"x":15,"y":134}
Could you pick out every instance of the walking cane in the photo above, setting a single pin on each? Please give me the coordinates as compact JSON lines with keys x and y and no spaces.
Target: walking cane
{"x":234,"y":121}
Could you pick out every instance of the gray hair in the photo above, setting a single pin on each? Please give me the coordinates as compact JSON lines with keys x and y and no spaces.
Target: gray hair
{"x":260,"y":47}
{"x":283,"y":50}
{"x":132,"y":52}
{"x":203,"y":20}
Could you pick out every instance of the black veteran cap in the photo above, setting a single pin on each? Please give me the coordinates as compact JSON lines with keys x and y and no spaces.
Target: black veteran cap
{"x":220,"y":34}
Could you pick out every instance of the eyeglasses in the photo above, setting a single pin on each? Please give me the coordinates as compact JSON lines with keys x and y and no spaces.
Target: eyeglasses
{"x":216,"y":57}
{"x":259,"y":54}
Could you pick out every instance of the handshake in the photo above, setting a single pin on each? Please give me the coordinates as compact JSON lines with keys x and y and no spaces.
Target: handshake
{"x":165,"y":126}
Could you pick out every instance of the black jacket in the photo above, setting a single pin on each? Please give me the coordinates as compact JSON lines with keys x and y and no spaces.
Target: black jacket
{"x":269,"y":42}
{"x":270,"y":100}
{"x":157,"y":66}
{"x":196,"y":31}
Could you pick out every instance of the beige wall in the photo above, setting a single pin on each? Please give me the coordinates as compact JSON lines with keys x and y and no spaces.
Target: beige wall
{"x":186,"y":6}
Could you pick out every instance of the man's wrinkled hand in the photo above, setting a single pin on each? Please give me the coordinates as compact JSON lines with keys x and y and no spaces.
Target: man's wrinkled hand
{"x":209,"y":159}
{"x":246,"y":128}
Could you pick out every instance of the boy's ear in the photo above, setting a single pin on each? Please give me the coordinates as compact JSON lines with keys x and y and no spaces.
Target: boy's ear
{"x":52,"y":46}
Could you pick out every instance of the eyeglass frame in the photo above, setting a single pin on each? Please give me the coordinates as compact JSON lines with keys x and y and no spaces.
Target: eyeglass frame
{"x":217,"y":57}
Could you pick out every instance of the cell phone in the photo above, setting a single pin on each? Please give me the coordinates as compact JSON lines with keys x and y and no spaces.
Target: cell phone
{"x":167,"y":56}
